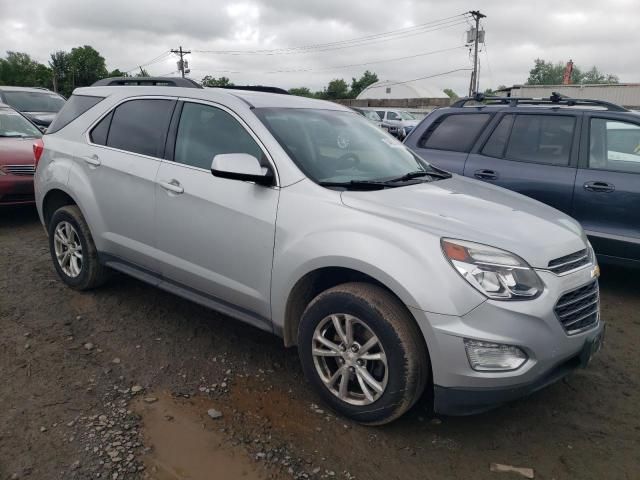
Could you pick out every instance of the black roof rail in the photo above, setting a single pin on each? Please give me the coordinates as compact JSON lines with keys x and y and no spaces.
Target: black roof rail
{"x":148,"y":81}
{"x":556,"y":99}
{"x":256,"y":88}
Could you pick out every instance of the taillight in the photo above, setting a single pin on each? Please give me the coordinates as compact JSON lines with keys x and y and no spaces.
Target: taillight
{"x":38,"y":148}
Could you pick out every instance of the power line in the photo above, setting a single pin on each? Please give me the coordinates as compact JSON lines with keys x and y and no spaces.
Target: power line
{"x":423,"y":54}
{"x":157,"y":59}
{"x":367,"y":40}
{"x":181,"y":62}
{"x":429,"y":76}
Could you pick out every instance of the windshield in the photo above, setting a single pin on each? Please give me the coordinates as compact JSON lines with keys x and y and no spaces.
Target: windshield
{"x":406,"y":116}
{"x":336,"y":146}
{"x":12,"y":124}
{"x":34,"y":101}
{"x":372,"y":116}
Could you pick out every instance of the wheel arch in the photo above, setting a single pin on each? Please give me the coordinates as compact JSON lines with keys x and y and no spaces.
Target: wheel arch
{"x":52,"y":201}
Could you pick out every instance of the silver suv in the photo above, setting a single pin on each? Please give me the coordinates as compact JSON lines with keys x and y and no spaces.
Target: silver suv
{"x":302,"y":218}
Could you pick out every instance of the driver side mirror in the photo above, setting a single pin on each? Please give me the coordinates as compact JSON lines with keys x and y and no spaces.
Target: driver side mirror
{"x":241,"y":166}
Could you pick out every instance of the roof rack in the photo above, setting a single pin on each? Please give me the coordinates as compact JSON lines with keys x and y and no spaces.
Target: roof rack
{"x":256,"y":88}
{"x":556,"y":99}
{"x":148,"y":81}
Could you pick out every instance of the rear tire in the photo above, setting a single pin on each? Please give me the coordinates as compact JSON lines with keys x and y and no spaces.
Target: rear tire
{"x":73,"y":251}
{"x":369,"y":338}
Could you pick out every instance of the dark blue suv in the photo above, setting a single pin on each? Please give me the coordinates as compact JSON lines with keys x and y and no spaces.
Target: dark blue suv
{"x":579,"y":156}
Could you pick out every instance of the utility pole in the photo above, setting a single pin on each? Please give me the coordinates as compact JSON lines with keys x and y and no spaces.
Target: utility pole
{"x":474,"y":35}
{"x":181,"y":63}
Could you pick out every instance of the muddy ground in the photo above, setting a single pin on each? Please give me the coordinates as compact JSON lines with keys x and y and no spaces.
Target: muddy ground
{"x":117,"y":383}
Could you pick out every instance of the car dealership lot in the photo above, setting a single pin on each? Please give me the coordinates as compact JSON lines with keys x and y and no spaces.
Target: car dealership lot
{"x":58,"y":363}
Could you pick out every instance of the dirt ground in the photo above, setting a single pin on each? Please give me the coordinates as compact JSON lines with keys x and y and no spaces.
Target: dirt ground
{"x":119,"y":382}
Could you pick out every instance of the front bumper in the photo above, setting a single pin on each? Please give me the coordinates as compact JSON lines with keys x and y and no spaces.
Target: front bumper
{"x":531,"y":325}
{"x":16,"y":190}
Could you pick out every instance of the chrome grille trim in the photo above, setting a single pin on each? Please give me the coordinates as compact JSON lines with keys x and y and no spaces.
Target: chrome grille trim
{"x":569,"y":263}
{"x":20,"y":169}
{"x":579,"y":309}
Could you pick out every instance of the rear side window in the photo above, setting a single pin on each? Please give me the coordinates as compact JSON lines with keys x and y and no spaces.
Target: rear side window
{"x":541,"y":139}
{"x":101,"y":130}
{"x":140,"y":126}
{"x":456,"y":133}
{"x":497,"y":142}
{"x":75,"y":106}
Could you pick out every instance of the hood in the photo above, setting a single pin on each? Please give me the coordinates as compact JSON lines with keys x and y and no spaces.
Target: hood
{"x":43,"y":119}
{"x":476,"y":211}
{"x":16,"y":151}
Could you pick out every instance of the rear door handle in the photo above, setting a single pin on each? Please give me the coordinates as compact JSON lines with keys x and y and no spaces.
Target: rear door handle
{"x":485,"y":174}
{"x":599,"y":187}
{"x":93,"y":160}
{"x":172,"y":186}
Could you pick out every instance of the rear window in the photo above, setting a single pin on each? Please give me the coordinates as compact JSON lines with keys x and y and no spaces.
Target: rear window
{"x":28,"y":101}
{"x":455,"y":133}
{"x":75,"y":106}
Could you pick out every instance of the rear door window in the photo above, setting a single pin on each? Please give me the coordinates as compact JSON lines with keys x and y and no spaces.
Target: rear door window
{"x":541,"y":139}
{"x":75,"y":106}
{"x":614,"y":145}
{"x":455,"y":132}
{"x":140,"y":126}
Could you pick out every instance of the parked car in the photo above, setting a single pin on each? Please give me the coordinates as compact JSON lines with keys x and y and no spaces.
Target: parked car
{"x":16,"y":157}
{"x":300,"y":217}
{"x":370,"y":115}
{"x":38,"y":104}
{"x":397,"y":122}
{"x":579,"y":156}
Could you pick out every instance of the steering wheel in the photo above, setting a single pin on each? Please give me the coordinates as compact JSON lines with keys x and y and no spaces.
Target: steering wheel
{"x":355,"y":161}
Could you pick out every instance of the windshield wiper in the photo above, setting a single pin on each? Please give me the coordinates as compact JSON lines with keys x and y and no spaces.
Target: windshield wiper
{"x":420,"y":173}
{"x":357,"y":184}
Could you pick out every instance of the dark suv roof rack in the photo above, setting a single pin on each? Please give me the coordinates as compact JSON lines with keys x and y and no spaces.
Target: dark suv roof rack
{"x":257,"y":88}
{"x":556,"y":99}
{"x":148,"y":81}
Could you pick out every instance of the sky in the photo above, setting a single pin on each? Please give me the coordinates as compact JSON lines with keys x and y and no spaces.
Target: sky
{"x":129,"y":33}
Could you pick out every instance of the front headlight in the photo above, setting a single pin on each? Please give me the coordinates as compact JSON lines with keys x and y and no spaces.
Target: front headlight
{"x":496,"y":273}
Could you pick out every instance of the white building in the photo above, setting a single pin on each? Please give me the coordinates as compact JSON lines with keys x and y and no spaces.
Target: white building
{"x":391,"y":90}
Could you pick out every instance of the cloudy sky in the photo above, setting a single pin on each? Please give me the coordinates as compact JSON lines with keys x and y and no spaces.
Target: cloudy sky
{"x":129,"y":33}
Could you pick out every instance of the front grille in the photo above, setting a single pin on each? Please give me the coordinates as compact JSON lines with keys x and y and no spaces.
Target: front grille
{"x":20,"y":169}
{"x":569,"y":262}
{"x":579,"y":309}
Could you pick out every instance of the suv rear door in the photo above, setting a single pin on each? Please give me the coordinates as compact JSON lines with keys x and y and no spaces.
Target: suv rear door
{"x":607,"y":188}
{"x":445,"y":140}
{"x":533,"y":153}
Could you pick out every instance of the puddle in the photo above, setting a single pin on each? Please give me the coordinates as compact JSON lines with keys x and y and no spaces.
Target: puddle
{"x":187,"y":444}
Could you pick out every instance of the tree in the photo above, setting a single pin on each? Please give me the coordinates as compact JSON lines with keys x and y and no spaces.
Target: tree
{"x":336,"y":89}
{"x":117,"y":73}
{"x":86,"y":65}
{"x":301,"y":92}
{"x":21,"y":70}
{"x":210,"y":81}
{"x":546,"y":73}
{"x":451,"y":94}
{"x":357,"y":86}
{"x":142,"y":73}
{"x":596,"y":76}
{"x":60,"y":67}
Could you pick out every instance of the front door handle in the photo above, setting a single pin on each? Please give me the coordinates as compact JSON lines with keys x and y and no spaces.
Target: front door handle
{"x":485,"y":174}
{"x":172,"y":186}
{"x":92,"y":160}
{"x":599,"y":187}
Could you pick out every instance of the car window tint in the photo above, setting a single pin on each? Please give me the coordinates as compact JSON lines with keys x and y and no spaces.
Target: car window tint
{"x":456,"y":133}
{"x":381,"y":114}
{"x":614,"y":145}
{"x":72,"y":109}
{"x":392,"y":116}
{"x":541,"y":139}
{"x":498,"y":140}
{"x":140,"y":126}
{"x":206,"y":131}
{"x":99,"y":133}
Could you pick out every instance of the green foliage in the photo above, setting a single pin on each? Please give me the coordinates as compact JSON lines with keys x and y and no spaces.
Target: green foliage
{"x":21,"y":70}
{"x":336,"y":89}
{"x":358,"y":85}
{"x":210,"y":81}
{"x":117,"y":73}
{"x":452,"y":95}
{"x":301,"y":92}
{"x":86,"y":65}
{"x":548,"y":73}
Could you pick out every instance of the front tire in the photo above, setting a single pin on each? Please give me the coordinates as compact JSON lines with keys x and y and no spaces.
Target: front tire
{"x":73,"y":251}
{"x":363,"y":353}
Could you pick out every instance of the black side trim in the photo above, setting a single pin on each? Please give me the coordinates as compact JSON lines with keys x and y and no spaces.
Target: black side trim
{"x":204,"y":299}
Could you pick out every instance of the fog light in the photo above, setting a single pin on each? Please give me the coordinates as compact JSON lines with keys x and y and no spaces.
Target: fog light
{"x":484,"y":356}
